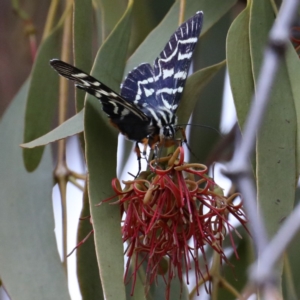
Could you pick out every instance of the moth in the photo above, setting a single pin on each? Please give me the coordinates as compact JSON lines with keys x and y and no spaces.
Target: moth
{"x":145,"y":109}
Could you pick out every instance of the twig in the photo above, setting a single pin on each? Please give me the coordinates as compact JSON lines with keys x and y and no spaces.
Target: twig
{"x":73,"y":180}
{"x":50,"y":18}
{"x":275,"y":249}
{"x":29,"y":27}
{"x":239,"y":169}
{"x":181,"y":11}
{"x":61,"y":172}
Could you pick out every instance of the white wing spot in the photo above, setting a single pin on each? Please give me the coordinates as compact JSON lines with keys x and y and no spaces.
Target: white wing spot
{"x":148,"y":92}
{"x":174,"y":106}
{"x":190,"y":40}
{"x":116,"y":109}
{"x":80,"y":75}
{"x":168,"y":73}
{"x":166,"y":103}
{"x":184,"y":56}
{"x":165,"y":90}
{"x":174,"y":53}
{"x":125,"y":112}
{"x":137,"y":98}
{"x":85,"y":82}
{"x":96,"y":83}
{"x":98,"y":95}
{"x":104,"y":93}
{"x":163,"y":116}
{"x":155,"y":116}
{"x":180,"y":75}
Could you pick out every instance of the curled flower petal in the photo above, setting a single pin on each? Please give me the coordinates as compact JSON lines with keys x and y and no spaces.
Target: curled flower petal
{"x":169,"y":216}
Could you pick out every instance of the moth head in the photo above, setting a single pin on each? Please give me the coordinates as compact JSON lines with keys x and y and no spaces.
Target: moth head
{"x":168,"y":131}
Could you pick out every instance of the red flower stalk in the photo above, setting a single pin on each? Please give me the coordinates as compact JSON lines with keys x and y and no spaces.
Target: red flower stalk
{"x":295,"y":38}
{"x":170,"y":216}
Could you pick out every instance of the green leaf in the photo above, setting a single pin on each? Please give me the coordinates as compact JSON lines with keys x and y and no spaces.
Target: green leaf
{"x":291,"y":271}
{"x":276,"y":141}
{"x":87,"y":266}
{"x":42,"y":97}
{"x":158,"y":289}
{"x":293,"y":69}
{"x":192,"y":90}
{"x":70,"y":127}
{"x":236,"y":273}
{"x":83,"y":31}
{"x":146,"y":15}
{"x":30,"y":264}
{"x":101,"y":151}
{"x":177,"y":292}
{"x":239,"y":64}
{"x":109,"y":13}
{"x":156,"y":40}
{"x":207,"y":110}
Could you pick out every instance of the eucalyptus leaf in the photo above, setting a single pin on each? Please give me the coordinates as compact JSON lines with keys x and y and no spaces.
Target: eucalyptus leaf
{"x":42,"y":97}
{"x":276,"y":141}
{"x":293,"y":69}
{"x":192,"y":90}
{"x":70,"y":127}
{"x":83,"y":29}
{"x":207,"y":110}
{"x":111,"y":11}
{"x":87,"y":266}
{"x":101,"y":151}
{"x":239,"y":64}
{"x":235,"y":272}
{"x":29,"y":261}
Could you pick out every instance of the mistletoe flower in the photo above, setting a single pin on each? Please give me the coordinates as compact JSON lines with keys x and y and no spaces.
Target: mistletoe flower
{"x":169,"y":215}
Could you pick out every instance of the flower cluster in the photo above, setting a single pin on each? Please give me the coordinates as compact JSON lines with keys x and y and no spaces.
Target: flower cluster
{"x":169,"y":215}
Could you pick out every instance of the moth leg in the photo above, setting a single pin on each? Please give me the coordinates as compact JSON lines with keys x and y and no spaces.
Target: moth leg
{"x":139,"y":157}
{"x":145,"y":143}
{"x":183,"y":134}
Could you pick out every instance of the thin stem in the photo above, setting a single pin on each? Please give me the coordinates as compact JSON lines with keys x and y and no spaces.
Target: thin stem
{"x":181,"y":11}
{"x":289,"y":278}
{"x":230,"y":288}
{"x":50,"y":18}
{"x":77,"y":175}
{"x":74,"y":182}
{"x":240,"y":169}
{"x":193,"y":292}
{"x":30,"y":29}
{"x":274,"y":6}
{"x":215,"y":274}
{"x":276,"y":248}
{"x":61,"y":171}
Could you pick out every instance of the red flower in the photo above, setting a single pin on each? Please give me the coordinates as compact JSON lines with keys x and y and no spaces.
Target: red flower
{"x":169,"y":215}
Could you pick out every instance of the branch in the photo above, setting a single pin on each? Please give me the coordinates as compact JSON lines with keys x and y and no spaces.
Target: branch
{"x":273,"y":252}
{"x":239,"y":168}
